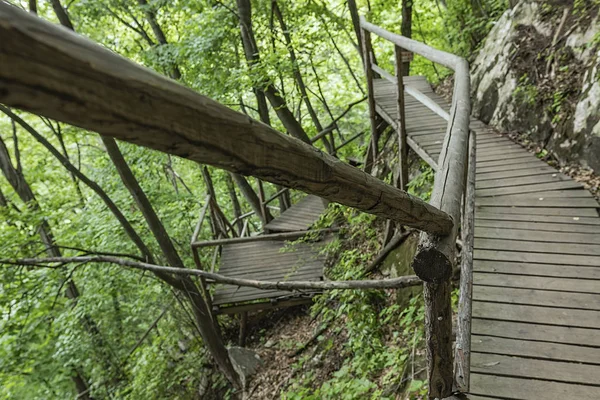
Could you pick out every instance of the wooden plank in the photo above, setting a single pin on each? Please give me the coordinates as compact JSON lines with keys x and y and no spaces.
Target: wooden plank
{"x":505,"y":149}
{"x":537,"y":315}
{"x":538,"y":270}
{"x":574,"y":194}
{"x":536,"y":332}
{"x":560,"y":284}
{"x":538,"y":202}
{"x":532,"y":188}
{"x":538,"y":247}
{"x":521,"y":367}
{"x":542,"y":258}
{"x":537,"y":170}
{"x":484,"y":161}
{"x":540,"y":214}
{"x":551,"y":176}
{"x":534,"y":297}
{"x":537,"y":226}
{"x":483,"y":214}
{"x":510,"y":167}
{"x":534,"y":349}
{"x":504,"y":165}
{"x":529,"y":389}
{"x":537,"y":236}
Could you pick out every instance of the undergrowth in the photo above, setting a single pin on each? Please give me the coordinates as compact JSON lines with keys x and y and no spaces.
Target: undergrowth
{"x":372,"y":346}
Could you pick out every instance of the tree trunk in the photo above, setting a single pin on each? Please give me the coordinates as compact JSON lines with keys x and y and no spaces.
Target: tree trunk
{"x":204,"y":319}
{"x":252,"y":57}
{"x":21,"y":187}
{"x":406,"y":29}
{"x":237,"y":209}
{"x":174,"y":73}
{"x":298,"y":75}
{"x":250,"y":196}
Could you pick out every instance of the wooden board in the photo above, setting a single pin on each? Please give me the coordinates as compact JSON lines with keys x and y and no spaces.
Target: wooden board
{"x":561,"y":284}
{"x":557,"y":371}
{"x":537,"y":236}
{"x":537,"y":270}
{"x":535,"y":349}
{"x":543,"y":258}
{"x":299,"y":217}
{"x":533,"y":297}
{"x":538,"y":226}
{"x":536,"y":332}
{"x":536,"y":281}
{"x":502,"y":387}
{"x":538,"y":247}
{"x":488,"y":214}
{"x":537,"y":314}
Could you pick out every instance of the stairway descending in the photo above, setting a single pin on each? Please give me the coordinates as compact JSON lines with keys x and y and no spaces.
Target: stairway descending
{"x":272,"y":260}
{"x":536,"y":280}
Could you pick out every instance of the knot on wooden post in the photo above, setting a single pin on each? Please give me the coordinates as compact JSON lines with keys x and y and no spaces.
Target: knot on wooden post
{"x":432,"y":265}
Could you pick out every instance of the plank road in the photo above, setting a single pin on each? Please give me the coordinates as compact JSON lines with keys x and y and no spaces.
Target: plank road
{"x":536,"y":281}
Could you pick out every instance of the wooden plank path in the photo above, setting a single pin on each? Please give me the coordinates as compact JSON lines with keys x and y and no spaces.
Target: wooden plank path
{"x":536,"y":279}
{"x":273,"y":260}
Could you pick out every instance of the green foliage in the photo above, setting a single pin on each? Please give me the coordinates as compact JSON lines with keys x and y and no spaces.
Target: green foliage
{"x":44,"y":336}
{"x":526,"y":91}
{"x":378,"y":334}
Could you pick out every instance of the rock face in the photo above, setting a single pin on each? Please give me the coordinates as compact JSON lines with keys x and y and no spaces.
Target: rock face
{"x":538,"y":74}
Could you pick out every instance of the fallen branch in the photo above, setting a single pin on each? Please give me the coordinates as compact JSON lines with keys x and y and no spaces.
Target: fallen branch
{"x":395,"y":283}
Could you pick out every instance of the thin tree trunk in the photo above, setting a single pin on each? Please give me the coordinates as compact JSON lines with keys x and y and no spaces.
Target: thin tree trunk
{"x":252,"y":57}
{"x":21,"y":187}
{"x":356,"y":24}
{"x":297,"y":74}
{"x":204,"y":319}
{"x":406,"y":29}
{"x":33,"y":6}
{"x":237,"y":209}
{"x":250,"y":196}
{"x":174,"y":73}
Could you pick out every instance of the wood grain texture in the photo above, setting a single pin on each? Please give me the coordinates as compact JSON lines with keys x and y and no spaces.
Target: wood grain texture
{"x":151,"y":110}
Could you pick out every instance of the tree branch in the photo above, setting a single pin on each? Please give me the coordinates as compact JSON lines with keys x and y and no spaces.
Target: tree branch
{"x":395,"y":283}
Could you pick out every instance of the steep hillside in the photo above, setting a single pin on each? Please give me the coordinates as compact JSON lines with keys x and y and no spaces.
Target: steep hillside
{"x":537,"y":74}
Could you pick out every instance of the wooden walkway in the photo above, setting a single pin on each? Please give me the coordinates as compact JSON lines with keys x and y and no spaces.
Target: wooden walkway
{"x":272,"y":260}
{"x":299,"y":217}
{"x":536,"y":293}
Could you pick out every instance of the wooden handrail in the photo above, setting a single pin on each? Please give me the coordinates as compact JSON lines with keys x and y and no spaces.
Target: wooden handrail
{"x":435,"y":257}
{"x":261,"y":238}
{"x":462,"y":352}
{"x":56,"y":73}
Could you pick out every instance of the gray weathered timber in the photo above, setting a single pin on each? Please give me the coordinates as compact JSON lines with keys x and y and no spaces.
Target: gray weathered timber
{"x":535,"y":274}
{"x":299,"y":217}
{"x":151,"y":110}
{"x":435,"y":255}
{"x":462,"y":352}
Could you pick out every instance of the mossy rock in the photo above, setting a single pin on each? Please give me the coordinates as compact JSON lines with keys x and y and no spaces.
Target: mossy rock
{"x":397,"y":264}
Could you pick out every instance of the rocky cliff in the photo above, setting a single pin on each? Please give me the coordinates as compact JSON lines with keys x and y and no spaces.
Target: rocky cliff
{"x":538,"y":74}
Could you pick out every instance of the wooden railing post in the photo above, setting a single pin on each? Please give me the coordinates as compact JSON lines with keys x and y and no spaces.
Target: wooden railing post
{"x":368,"y":61}
{"x":462,"y":353}
{"x":401,"y":128}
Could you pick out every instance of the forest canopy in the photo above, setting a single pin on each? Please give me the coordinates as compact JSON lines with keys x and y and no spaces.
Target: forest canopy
{"x":95,"y":330}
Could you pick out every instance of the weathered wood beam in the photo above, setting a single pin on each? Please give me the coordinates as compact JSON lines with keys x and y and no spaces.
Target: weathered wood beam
{"x":392,"y":283}
{"x":262,"y":238}
{"x":462,"y":352}
{"x":435,"y":256}
{"x":50,"y":71}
